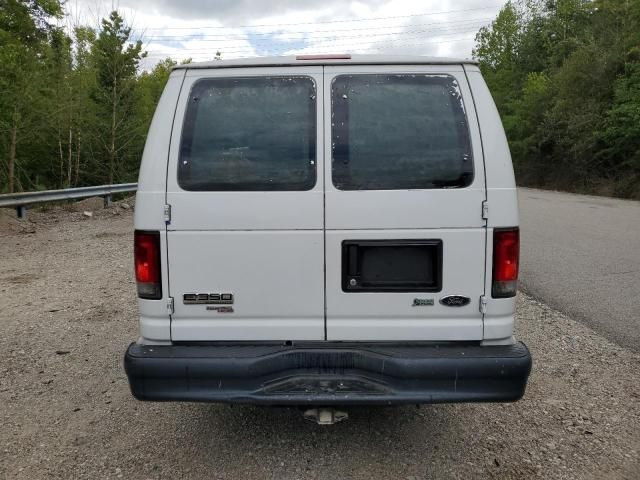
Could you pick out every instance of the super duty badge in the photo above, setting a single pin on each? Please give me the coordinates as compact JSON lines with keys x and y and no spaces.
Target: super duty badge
{"x":422,"y":302}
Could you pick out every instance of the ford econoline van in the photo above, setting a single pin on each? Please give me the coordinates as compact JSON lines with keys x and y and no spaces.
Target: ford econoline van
{"x":327,"y":230}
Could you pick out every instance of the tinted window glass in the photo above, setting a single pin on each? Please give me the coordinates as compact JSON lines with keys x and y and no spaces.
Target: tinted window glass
{"x":399,"y":132}
{"x":249,"y":134}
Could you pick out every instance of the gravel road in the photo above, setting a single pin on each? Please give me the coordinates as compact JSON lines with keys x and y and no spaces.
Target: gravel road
{"x":68,"y":313}
{"x":581,"y":254}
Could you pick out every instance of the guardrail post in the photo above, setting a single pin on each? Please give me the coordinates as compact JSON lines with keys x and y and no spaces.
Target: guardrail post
{"x":21,"y":211}
{"x":107,"y":201}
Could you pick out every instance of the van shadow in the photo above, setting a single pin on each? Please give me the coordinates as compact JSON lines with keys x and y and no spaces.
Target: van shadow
{"x":264,"y":438}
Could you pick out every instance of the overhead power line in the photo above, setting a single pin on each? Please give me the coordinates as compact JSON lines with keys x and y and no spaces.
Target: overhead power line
{"x":335,"y":40}
{"x":329,"y":22}
{"x":206,"y":36}
{"x":352,"y":46}
{"x":433,"y":31}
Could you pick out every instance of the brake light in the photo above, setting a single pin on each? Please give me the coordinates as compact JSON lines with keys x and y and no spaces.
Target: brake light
{"x":506,"y":253}
{"x":147,"y":264}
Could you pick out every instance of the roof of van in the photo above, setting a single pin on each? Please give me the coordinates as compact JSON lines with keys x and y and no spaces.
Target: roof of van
{"x":293,"y":60}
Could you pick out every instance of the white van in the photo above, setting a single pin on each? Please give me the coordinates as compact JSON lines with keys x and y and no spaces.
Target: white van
{"x":327,"y":230}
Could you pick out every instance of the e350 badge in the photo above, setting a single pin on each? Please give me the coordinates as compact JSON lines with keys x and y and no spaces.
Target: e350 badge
{"x":216,"y":302}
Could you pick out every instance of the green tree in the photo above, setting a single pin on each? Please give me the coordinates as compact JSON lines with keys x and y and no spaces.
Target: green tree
{"x":24,"y":30}
{"x":116,"y":65}
{"x":62,"y":93}
{"x":497,"y":49}
{"x":565,"y":78}
{"x":621,"y":132}
{"x":150,"y":87}
{"x":84,"y":115}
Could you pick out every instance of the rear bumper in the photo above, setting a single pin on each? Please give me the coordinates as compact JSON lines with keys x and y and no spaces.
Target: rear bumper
{"x":328,"y":373}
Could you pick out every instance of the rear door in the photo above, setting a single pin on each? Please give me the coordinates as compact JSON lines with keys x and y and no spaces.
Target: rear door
{"x":405,"y":235}
{"x":245,"y":238}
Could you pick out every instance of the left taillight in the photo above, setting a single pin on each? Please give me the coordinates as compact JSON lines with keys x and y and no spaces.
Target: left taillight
{"x":147,"y":264}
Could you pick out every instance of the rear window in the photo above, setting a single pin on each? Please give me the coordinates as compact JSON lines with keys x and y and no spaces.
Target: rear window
{"x":249,"y":134}
{"x":399,"y":132}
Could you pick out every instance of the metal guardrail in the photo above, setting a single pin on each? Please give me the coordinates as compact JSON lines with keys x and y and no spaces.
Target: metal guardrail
{"x":20,"y":201}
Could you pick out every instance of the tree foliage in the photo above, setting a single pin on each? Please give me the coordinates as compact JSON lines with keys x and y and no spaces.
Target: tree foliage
{"x":116,"y":65}
{"x":74,"y":105}
{"x":565,"y":75}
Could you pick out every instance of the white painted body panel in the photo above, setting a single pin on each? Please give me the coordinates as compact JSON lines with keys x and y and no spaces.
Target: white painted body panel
{"x":279,"y":253}
{"x":452,"y":215}
{"x":266,"y":248}
{"x":391,"y":315}
{"x":502,"y":199}
{"x":243,"y":210}
{"x":155,"y":321}
{"x":257,"y":267}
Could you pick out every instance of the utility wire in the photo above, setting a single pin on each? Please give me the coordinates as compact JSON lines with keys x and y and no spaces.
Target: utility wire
{"x":329,"y":22}
{"x":332,"y":41}
{"x":249,"y":51}
{"x":204,"y":36}
{"x":315,"y":40}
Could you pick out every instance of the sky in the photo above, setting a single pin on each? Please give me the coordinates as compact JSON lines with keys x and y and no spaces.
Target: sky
{"x":197,"y":29}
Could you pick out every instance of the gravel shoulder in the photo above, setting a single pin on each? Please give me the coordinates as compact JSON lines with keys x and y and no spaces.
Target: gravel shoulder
{"x":69,"y":311}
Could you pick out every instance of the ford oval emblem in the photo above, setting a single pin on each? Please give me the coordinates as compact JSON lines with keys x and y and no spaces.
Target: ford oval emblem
{"x":455,"y":301}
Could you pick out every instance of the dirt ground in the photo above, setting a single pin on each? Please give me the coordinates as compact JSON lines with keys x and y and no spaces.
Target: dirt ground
{"x":68,"y":311}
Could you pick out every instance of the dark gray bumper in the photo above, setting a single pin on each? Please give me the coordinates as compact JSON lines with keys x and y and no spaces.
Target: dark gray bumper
{"x":328,"y":373}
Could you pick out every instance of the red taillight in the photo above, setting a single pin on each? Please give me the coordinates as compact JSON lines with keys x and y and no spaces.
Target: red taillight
{"x":147,"y":264}
{"x":506,"y":253}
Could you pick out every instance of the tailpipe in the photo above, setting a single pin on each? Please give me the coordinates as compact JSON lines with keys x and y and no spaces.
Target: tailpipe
{"x":325,"y":416}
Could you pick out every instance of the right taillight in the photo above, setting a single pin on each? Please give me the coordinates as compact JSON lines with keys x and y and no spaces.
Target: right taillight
{"x":147,"y":264}
{"x":506,"y":253}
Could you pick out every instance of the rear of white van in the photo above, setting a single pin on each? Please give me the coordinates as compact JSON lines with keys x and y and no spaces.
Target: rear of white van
{"x":327,"y":231}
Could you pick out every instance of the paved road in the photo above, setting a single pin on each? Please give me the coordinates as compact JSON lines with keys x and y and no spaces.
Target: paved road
{"x":581,"y":255}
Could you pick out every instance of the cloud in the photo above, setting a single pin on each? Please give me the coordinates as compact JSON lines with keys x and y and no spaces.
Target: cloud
{"x":243,"y":28}
{"x":410,"y":28}
{"x":241,"y":11}
{"x":449,"y":34}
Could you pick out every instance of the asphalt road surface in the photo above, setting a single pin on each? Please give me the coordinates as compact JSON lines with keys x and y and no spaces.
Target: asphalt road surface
{"x":581,"y":254}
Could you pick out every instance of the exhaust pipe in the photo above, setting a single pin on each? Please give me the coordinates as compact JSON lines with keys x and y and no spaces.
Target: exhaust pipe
{"x":325,"y":416}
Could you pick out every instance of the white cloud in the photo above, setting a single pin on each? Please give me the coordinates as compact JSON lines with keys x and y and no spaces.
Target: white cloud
{"x":245,"y":28}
